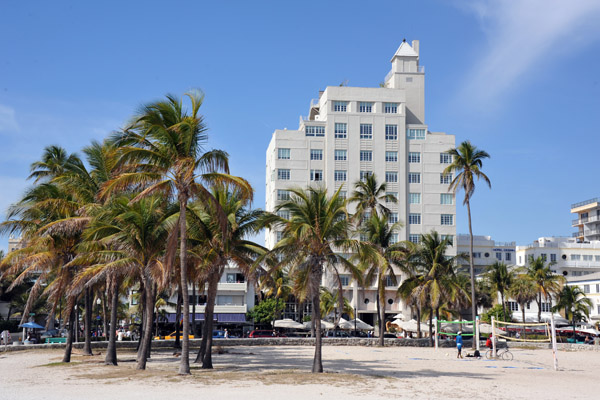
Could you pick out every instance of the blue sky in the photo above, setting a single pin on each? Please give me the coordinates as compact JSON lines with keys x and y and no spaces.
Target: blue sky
{"x":518,"y":79}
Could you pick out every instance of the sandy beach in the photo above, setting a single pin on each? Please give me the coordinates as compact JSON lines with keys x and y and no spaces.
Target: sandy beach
{"x":258,"y":372}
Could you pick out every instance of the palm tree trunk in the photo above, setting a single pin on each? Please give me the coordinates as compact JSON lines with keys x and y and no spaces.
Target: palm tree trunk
{"x":194,"y":309}
{"x":504,"y":307}
{"x":381,"y":301}
{"x":104,"y":313}
{"x":177,"y":344}
{"x":539,"y":303}
{"x":523,"y":311}
{"x":340,"y":301}
{"x":143,"y":353}
{"x":87,"y":346}
{"x":471,"y":267}
{"x":184,"y":366}
{"x":430,"y":327}
{"x":316,"y":275}
{"x":204,"y":340}
{"x":142,"y":309}
{"x":111,"y":349}
{"x":70,"y":325}
{"x":419,"y":322}
{"x":209,"y":312}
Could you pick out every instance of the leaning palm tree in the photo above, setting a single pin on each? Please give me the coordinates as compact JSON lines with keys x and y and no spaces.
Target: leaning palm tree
{"x":548,"y":284}
{"x":523,"y":291}
{"x":377,"y":256}
{"x":572,"y":299}
{"x":467,"y":162}
{"x":316,"y":227}
{"x":500,"y":278}
{"x":163,"y":151}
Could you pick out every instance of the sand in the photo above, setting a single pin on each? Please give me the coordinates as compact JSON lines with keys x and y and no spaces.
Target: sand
{"x":284,"y":372}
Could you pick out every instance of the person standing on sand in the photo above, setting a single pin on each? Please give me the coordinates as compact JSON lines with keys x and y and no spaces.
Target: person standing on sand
{"x":459,"y":344}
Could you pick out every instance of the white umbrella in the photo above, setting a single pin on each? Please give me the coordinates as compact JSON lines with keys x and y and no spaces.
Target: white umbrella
{"x":324,"y":325}
{"x":411,"y":326}
{"x":288,"y":324}
{"x":397,"y":322}
{"x":399,"y":316}
{"x":360,"y":325}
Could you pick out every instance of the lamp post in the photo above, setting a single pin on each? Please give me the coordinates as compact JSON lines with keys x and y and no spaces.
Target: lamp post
{"x":355,"y":316}
{"x":573,"y":318}
{"x":98,"y":302}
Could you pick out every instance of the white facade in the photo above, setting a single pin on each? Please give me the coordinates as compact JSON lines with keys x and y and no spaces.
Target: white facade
{"x":588,"y":220}
{"x":569,"y":257}
{"x":590,"y":286}
{"x":486,"y":251}
{"x":352,"y":131}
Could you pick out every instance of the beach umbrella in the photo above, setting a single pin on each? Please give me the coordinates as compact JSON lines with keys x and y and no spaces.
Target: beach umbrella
{"x":411,"y":326}
{"x":288,"y":324}
{"x":31,"y":325}
{"x":399,"y":316}
{"x":360,"y":325}
{"x":324,"y":325}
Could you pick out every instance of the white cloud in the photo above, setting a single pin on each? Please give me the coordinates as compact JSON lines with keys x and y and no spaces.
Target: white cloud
{"x":8,"y":120}
{"x":524,"y":35}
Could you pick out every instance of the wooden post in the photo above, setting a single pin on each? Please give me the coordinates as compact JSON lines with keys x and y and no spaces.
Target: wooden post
{"x":494,"y":337}
{"x":435,"y":320}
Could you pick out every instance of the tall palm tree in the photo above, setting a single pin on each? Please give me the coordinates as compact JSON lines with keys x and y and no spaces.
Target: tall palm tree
{"x":163,"y":151}
{"x":369,"y":197}
{"x":215,"y":246}
{"x":467,"y":162}
{"x":572,"y":299}
{"x":377,"y":257}
{"x":316,"y":227}
{"x":548,"y":284}
{"x":499,"y":276}
{"x":523,"y":290}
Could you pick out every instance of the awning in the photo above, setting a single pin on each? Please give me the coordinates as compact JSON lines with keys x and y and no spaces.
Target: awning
{"x":217,"y":317}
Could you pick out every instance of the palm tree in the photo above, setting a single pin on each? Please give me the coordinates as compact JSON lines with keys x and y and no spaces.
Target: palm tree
{"x":523,"y":290}
{"x":573,"y":299}
{"x":548,"y":284}
{"x":163,"y":151}
{"x":316,"y":227}
{"x":500,"y":278}
{"x":377,"y":256}
{"x":369,"y":197}
{"x":467,"y":162}
{"x":215,"y":246}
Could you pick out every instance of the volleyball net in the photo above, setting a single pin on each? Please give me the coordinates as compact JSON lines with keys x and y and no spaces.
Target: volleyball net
{"x":522,"y":331}
{"x":451,"y":328}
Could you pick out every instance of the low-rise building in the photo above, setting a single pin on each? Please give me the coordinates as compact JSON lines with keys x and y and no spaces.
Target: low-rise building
{"x":590,"y":286}
{"x":486,"y":251}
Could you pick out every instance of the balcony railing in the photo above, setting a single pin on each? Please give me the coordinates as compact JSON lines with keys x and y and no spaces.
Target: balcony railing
{"x":582,"y":221}
{"x":242,"y":286}
{"x":577,"y":234}
{"x":584,"y":203}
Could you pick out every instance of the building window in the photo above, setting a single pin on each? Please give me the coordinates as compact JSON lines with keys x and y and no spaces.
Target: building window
{"x":552,"y":257}
{"x":445,"y":179}
{"x":341,"y":155}
{"x":513,"y":305}
{"x":391,"y":156}
{"x":283,"y":195}
{"x":449,"y":238}
{"x":417,"y":134}
{"x":283,"y":154}
{"x":520,"y":260}
{"x":597,"y":287}
{"x":366,"y":131}
{"x":414,"y":157}
{"x":414,"y":177}
{"x":507,"y":256}
{"x":278,"y":235}
{"x":546,"y":307}
{"x":391,"y":176}
{"x":477,"y":255}
{"x":413,"y":238}
{"x":311,"y":130}
{"x":447,"y":219}
{"x":414,"y":219}
{"x":586,"y":289}
{"x":392,"y":218}
{"x":445,"y":158}
{"x":391,"y":132}
{"x":316,"y":175}
{"x":342,"y":194}
{"x":366,"y":155}
{"x":446,"y":198}
{"x":341,"y":130}
{"x":316,"y":154}
{"x":414,"y":198}
{"x":339,"y":176}
{"x":587,"y":257}
{"x":499,"y":256}
{"x":393,"y":238}
{"x":365,"y":174}
{"x":544,"y":257}
{"x":575,"y":257}
{"x":389,"y":282}
{"x":365,"y":107}
{"x":345,"y":280}
{"x":597,"y":258}
{"x":390,"y":194}
{"x":283,"y":174}
{"x":340,"y":106}
{"x":390,"y":108}
{"x":283,"y":214}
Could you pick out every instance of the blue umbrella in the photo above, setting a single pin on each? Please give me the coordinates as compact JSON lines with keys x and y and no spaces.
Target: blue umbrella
{"x":31,"y":325}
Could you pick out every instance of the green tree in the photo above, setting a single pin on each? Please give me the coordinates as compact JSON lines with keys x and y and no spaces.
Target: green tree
{"x":500,"y":278}
{"x":163,"y":151}
{"x":547,"y":283}
{"x":574,"y":302}
{"x":317,"y":226}
{"x":467,"y":162}
{"x":266,"y":311}
{"x":523,"y":290}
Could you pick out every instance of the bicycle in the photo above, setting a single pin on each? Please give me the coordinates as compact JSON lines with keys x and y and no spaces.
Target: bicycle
{"x":503,"y":354}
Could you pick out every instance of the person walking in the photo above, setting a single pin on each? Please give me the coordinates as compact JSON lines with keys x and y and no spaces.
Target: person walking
{"x":459,"y":344}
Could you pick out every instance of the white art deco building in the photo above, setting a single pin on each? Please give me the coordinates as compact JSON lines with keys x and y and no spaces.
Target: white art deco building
{"x":353,"y":131}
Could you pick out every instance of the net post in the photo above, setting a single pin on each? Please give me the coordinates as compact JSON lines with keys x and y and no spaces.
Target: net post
{"x":435,"y":320}
{"x":553,"y":332}
{"x":494,"y":337}
{"x":477,"y":331}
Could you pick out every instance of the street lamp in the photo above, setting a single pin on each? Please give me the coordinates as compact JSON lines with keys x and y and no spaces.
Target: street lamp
{"x":355,"y":316}
{"x":573,"y":318}
{"x":98,"y":302}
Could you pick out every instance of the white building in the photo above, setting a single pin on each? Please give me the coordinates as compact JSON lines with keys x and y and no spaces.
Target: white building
{"x":486,"y":251}
{"x":351,"y":132}
{"x":588,"y":220}
{"x":590,"y":286}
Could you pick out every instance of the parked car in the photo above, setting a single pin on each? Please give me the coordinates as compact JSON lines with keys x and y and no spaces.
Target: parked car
{"x":336,"y":334}
{"x":358,"y":334}
{"x":220,"y":334}
{"x":258,"y":333}
{"x":172,"y":336}
{"x":390,"y":336}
